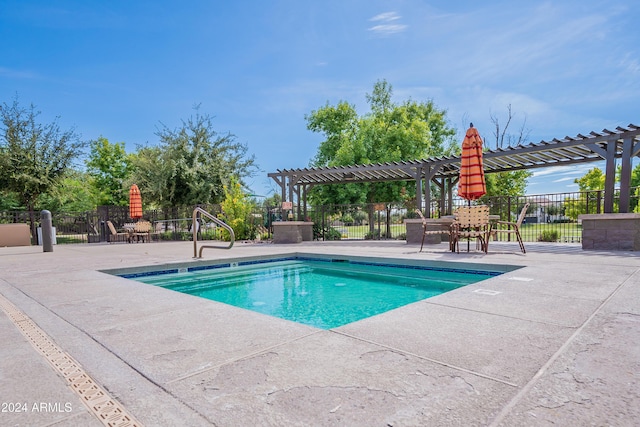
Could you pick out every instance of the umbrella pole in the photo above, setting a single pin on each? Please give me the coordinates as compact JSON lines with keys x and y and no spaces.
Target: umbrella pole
{"x":468,"y":240}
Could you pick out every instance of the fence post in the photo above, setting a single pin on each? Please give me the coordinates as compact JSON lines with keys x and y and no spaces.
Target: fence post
{"x":509,"y":216}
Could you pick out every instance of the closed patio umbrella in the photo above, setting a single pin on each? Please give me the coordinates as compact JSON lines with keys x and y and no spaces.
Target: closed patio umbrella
{"x":135,"y":202}
{"x":471,"y":185}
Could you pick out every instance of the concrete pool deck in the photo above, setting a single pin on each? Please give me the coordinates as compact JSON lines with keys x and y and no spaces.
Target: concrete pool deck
{"x":556,"y":342}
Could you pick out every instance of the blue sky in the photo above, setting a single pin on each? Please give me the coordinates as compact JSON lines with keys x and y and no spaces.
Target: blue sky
{"x":120,"y":68}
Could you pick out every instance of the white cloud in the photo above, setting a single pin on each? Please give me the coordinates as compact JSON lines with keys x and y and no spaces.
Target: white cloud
{"x":387,"y":29}
{"x":388,"y":25}
{"x":386,"y":16}
{"x":569,"y":178}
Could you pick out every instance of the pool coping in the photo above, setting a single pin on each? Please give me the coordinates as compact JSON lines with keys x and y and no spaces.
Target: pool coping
{"x":196,"y":265}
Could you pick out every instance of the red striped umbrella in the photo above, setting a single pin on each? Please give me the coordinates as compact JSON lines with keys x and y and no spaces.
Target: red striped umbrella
{"x":135,"y":202}
{"x":472,"y":184}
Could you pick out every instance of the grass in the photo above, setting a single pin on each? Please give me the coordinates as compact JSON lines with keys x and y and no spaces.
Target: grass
{"x":567,"y":232}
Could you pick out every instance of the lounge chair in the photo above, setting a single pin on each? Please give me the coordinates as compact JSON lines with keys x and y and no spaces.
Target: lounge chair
{"x":114,"y":236}
{"x":471,"y":222}
{"x":508,"y":227}
{"x":439,"y":230}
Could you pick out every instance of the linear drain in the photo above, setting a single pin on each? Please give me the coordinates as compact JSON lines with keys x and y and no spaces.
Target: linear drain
{"x":94,"y":397}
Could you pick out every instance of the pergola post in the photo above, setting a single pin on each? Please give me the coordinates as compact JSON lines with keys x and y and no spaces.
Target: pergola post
{"x":610,"y":177}
{"x":419,"y":188}
{"x":625,"y":175}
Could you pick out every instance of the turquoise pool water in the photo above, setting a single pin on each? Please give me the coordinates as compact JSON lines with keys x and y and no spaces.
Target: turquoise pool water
{"x":320,"y":293}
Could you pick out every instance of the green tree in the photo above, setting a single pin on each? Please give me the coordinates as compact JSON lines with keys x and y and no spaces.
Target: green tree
{"x":33,"y":156}
{"x":507,"y":183}
{"x":389,"y":132}
{"x":71,"y":194}
{"x":591,"y":181}
{"x":110,"y":166}
{"x":590,"y":186}
{"x":237,"y":208}
{"x":9,"y":201}
{"x":635,"y":182}
{"x":191,"y":164}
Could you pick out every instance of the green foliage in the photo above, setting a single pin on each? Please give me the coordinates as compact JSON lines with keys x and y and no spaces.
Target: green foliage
{"x":389,"y":132}
{"x":274,"y":200}
{"x":549,"y":236}
{"x":331,"y":233}
{"x":33,"y":156}
{"x":237,"y":209}
{"x":507,"y":183}
{"x":110,"y":166}
{"x":71,"y":194}
{"x":592,"y":180}
{"x":372,"y":235}
{"x":574,"y":207}
{"x":9,"y":201}
{"x":191,"y":165}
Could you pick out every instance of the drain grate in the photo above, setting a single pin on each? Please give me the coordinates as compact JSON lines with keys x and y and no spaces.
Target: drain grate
{"x":94,"y":397}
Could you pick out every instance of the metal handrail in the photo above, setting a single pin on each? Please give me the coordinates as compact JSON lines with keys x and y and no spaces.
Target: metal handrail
{"x":219,"y":222}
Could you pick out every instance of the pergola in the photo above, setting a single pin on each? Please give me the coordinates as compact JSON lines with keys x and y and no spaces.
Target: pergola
{"x":609,"y":145}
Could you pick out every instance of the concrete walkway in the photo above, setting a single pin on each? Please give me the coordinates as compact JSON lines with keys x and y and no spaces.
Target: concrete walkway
{"x":556,"y":342}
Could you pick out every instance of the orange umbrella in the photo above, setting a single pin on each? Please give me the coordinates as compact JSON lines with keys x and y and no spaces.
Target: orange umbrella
{"x":135,"y":202}
{"x":472,"y":184}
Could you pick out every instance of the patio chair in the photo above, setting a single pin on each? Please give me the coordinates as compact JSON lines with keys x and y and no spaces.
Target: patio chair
{"x":113,"y":237}
{"x":471,"y":222}
{"x":439,"y":230}
{"x":509,"y":228}
{"x":142,"y":231}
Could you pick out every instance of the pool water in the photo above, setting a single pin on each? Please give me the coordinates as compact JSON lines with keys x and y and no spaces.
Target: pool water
{"x":320,"y":293}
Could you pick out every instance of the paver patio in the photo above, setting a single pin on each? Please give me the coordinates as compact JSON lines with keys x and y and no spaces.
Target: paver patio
{"x":556,"y":342}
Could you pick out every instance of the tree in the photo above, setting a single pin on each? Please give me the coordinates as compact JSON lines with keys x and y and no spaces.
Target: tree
{"x":110,"y":166}
{"x":501,"y":133}
{"x":590,"y":185}
{"x":70,"y":194}
{"x":389,"y":132}
{"x":33,"y":156}
{"x":507,"y":183}
{"x":591,"y":181}
{"x":191,"y":165}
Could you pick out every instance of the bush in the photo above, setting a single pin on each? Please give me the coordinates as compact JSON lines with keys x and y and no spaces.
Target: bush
{"x":331,"y":233}
{"x":549,"y":236}
{"x":347,"y":219}
{"x":372,"y":235}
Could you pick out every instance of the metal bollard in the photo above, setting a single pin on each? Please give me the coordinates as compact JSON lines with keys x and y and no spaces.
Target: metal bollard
{"x":47,"y":228}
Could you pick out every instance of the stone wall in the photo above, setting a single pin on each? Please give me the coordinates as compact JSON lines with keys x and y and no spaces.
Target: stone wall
{"x":617,"y":232}
{"x":292,"y":231}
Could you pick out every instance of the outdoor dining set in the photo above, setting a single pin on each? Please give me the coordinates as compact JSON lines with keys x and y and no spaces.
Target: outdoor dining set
{"x":473,"y":223}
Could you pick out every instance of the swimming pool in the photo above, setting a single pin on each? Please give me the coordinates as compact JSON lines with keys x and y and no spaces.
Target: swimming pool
{"x":320,"y":292}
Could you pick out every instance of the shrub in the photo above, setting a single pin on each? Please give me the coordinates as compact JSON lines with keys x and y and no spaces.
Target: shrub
{"x":549,"y":236}
{"x":347,"y":219}
{"x":237,"y":209}
{"x":372,"y":235}
{"x":331,"y":233}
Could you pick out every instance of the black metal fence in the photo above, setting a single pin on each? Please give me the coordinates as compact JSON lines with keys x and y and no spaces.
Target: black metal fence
{"x":550,"y":217}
